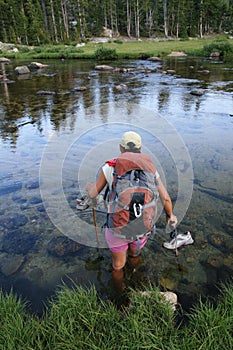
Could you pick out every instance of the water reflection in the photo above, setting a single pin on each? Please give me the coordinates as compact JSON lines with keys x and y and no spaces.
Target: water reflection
{"x":29,"y":119}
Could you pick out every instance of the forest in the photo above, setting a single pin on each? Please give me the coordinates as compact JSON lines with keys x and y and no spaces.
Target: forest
{"x":37,"y":22}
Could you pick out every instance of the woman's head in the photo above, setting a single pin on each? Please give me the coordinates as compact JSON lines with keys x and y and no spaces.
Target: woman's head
{"x":131,"y":142}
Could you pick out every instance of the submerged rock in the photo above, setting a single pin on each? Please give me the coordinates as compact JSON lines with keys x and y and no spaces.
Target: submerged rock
{"x":33,"y":184}
{"x":14,"y":221}
{"x":18,"y":242}
{"x":63,"y":246}
{"x":45,"y":92}
{"x":11,"y":264}
{"x":11,"y":187}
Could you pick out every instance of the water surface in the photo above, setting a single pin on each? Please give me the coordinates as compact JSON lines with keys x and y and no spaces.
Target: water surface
{"x":32,"y":255}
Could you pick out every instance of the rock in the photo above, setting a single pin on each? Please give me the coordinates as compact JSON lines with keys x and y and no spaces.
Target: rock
{"x":11,"y":187}
{"x":22,"y":70}
{"x":37,"y":65}
{"x":197,"y":92}
{"x":154,"y":59}
{"x":204,"y":71}
{"x":103,"y":67}
{"x":36,"y":274}
{"x":168,"y":283}
{"x":80,"y":45}
{"x":177,"y":54}
{"x":99,"y":40}
{"x":106,"y":32}
{"x":121,"y":87}
{"x":63,"y":246}
{"x":167,"y":297}
{"x":171,"y":71}
{"x":33,"y":184}
{"x":216,"y":260}
{"x":11,"y":264}
{"x":45,"y":92}
{"x":18,"y":242}
{"x":4,"y":60}
{"x":215,"y":54}
{"x":13,"y":222}
{"x":80,"y":88}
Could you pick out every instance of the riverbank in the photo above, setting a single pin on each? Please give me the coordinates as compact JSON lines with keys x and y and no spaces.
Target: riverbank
{"x":78,"y":319}
{"x":116,"y":49}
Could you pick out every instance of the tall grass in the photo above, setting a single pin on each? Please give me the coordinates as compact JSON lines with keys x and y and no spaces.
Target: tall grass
{"x":78,"y":319}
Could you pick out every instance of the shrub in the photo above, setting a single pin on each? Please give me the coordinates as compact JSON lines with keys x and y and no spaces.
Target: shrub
{"x":103,"y":53}
{"x":222,"y":46}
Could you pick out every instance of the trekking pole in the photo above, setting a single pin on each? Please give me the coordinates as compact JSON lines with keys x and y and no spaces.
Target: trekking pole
{"x":95,"y":223}
{"x":175,"y":231}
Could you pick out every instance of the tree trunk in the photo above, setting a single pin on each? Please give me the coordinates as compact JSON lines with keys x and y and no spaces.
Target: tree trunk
{"x":201,"y":20}
{"x":45,"y":16}
{"x":165,"y":18}
{"x":81,"y":19}
{"x":178,"y":21}
{"x":54,"y":21}
{"x":65,"y":18}
{"x":128,"y":9}
{"x":137,"y":19}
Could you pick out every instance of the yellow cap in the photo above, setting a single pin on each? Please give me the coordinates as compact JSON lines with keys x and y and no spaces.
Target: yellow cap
{"x":131,"y":137}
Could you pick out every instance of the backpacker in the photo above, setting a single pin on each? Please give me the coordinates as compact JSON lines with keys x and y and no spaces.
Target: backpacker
{"x":133,"y":198}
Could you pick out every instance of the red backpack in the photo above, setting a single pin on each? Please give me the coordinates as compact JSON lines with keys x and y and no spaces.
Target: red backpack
{"x":133,"y":198}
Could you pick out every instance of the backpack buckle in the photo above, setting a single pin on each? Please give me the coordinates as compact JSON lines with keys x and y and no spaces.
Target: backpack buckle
{"x":137,"y":208}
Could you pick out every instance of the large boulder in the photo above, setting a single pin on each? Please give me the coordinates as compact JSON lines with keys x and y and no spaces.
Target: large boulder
{"x":37,"y":65}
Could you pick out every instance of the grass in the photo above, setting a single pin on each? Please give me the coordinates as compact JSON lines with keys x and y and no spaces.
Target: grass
{"x":133,"y":49}
{"x":78,"y":319}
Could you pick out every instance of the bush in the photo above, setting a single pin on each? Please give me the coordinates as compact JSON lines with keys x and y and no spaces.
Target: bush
{"x":222,"y":46}
{"x":105,"y":54}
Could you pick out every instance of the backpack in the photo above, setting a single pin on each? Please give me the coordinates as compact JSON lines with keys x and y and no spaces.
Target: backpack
{"x":133,"y":197}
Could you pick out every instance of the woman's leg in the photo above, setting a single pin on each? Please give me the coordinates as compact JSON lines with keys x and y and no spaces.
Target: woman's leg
{"x":118,"y":263}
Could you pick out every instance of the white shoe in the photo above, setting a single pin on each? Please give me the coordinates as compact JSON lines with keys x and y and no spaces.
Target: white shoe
{"x":179,"y":241}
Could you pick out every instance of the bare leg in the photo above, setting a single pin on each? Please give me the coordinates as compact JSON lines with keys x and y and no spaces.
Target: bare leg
{"x":133,"y":258}
{"x":118,"y":263}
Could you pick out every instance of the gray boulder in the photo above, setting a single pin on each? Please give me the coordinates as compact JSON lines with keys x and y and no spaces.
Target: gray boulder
{"x":22,"y":70}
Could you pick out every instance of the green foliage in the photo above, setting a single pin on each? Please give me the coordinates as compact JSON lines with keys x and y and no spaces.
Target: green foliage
{"x":104,"y":53}
{"x":118,"y":41}
{"x":210,"y":327}
{"x":18,"y":330}
{"x":78,"y":319}
{"x":220,"y":45}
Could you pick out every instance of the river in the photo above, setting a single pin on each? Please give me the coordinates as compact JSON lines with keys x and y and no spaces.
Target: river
{"x":59,"y":124}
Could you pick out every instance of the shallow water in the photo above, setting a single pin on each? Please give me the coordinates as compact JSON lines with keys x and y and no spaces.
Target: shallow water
{"x":52,"y":144}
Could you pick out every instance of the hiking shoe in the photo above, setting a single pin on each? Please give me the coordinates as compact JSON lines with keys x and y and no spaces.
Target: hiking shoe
{"x":179,"y":241}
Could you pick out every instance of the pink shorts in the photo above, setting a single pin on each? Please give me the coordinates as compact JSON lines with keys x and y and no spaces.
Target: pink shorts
{"x":117,"y":244}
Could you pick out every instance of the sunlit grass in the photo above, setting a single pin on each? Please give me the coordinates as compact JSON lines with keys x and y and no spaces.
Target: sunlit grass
{"x":78,"y":319}
{"x":134,"y":49}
